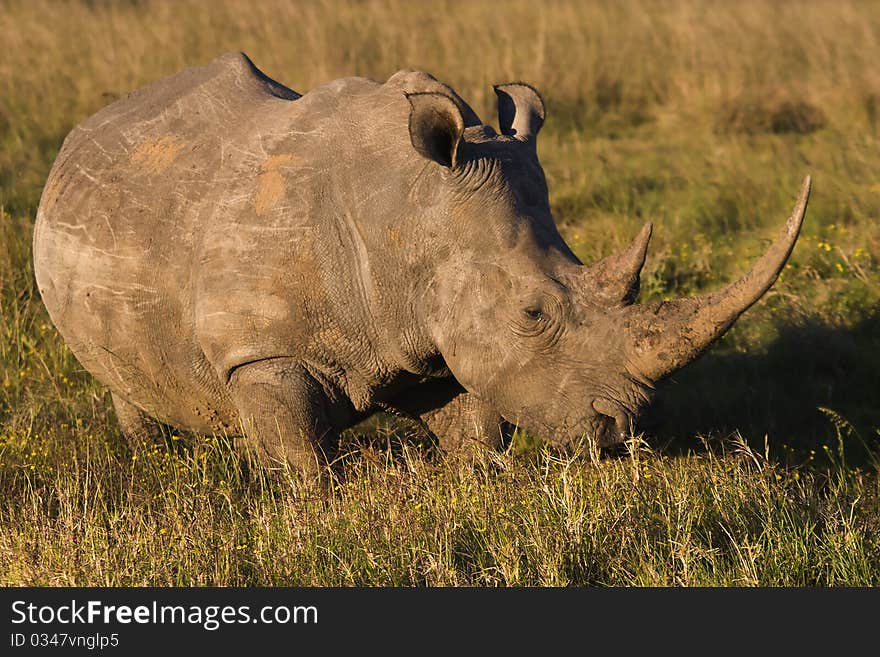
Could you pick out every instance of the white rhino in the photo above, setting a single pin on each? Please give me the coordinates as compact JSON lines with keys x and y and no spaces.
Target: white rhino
{"x":225,"y":254}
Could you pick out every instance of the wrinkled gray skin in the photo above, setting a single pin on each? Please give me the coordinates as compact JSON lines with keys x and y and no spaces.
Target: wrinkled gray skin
{"x":225,"y":254}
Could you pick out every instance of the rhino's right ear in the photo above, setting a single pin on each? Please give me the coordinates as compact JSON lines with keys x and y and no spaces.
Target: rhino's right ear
{"x":435,"y":127}
{"x":521,"y":110}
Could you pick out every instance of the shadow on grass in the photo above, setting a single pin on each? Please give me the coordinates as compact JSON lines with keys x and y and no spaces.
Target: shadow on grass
{"x":778,"y":392}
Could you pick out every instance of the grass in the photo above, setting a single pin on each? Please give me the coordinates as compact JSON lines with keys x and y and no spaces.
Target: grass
{"x":701,"y":117}
{"x":196,"y":516}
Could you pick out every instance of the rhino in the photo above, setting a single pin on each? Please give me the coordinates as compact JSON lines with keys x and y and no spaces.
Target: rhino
{"x":225,"y":254}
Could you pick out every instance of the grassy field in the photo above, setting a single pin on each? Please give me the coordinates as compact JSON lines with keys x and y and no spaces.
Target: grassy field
{"x":702,"y":117}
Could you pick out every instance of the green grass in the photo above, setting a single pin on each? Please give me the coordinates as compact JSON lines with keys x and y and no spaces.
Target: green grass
{"x":701,"y":117}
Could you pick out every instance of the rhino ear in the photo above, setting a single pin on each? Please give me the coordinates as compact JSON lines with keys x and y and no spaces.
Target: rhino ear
{"x":520,"y":109}
{"x":435,"y":127}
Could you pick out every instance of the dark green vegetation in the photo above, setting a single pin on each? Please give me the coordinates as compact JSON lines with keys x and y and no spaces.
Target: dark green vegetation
{"x":701,"y":118}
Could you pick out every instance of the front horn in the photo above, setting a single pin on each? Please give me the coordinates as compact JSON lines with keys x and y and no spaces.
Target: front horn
{"x":665,"y":336}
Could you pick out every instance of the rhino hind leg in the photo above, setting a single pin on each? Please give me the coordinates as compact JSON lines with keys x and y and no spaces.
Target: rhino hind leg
{"x":139,"y":429}
{"x":283,"y":412}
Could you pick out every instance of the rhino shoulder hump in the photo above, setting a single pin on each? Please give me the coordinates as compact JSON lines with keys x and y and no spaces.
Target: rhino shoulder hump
{"x":228,"y":85}
{"x":242,"y":66}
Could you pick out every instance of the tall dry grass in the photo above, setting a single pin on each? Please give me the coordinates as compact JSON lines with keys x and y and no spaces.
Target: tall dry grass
{"x":690,"y":56}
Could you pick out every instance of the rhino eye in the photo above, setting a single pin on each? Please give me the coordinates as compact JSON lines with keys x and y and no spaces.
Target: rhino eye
{"x":533,"y":314}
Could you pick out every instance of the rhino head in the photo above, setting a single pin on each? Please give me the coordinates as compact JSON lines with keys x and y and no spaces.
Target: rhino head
{"x":557,"y":347}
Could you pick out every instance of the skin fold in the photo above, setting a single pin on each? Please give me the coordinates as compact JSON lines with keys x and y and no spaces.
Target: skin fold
{"x":225,"y":254}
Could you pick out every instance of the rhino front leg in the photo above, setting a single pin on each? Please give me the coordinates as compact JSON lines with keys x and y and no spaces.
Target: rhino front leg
{"x":462,"y":422}
{"x":466,"y":425}
{"x":283,"y":412}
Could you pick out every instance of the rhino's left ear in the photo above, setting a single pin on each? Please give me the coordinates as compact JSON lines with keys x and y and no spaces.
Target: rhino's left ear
{"x":435,"y":127}
{"x":520,"y":109}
